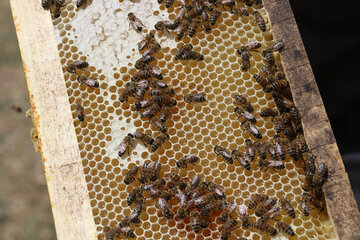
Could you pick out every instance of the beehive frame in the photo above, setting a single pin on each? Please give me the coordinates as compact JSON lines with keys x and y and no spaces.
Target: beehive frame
{"x":61,"y":157}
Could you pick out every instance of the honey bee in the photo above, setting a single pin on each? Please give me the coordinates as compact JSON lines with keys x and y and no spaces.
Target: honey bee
{"x":242,"y":113}
{"x":135,"y":23}
{"x":168,"y":3}
{"x":143,"y":74}
{"x":182,"y":50}
{"x":229,"y":208}
{"x":158,"y":84}
{"x":204,"y":220}
{"x":245,"y":58}
{"x":78,"y":64}
{"x":181,"y":212}
{"x":278,"y":124}
{"x":143,"y":84}
{"x":271,"y":214}
{"x":83,"y":3}
{"x":158,"y":142}
{"x":183,"y":27}
{"x":280,"y":147}
{"x":154,"y":71}
{"x":149,"y":38}
{"x":248,"y":2}
{"x":263,"y":227}
{"x":161,"y":92}
{"x":166,"y":100}
{"x":46,"y":4}
{"x":156,"y":192}
{"x":278,"y":102}
{"x":214,"y":15}
{"x":243,"y":160}
{"x":158,"y":124}
{"x":144,"y":173}
{"x":242,"y":100}
{"x":261,"y":80}
{"x":208,"y":6}
{"x":320,"y":176}
{"x":194,"y":183}
{"x":227,"y":228}
{"x":260,"y":149}
{"x":187,"y":159}
{"x":277,"y":46}
{"x":194,"y":25}
{"x":271,"y":150}
{"x":205,"y":21}
{"x":252,"y":129}
{"x":265,"y":206}
{"x":126,"y":231}
{"x":301,"y":143}
{"x":256,"y":199}
{"x":224,"y":153}
{"x":167,"y":25}
{"x":89,"y":81}
{"x":244,"y":215}
{"x":192,"y":55}
{"x":109,"y":233}
{"x":129,"y":90}
{"x":154,"y":48}
{"x":195,"y":220}
{"x":269,"y":57}
{"x":129,"y":220}
{"x":286,"y":228}
{"x":240,"y":11}
{"x":143,"y":104}
{"x":145,"y":138}
{"x":195,"y":97}
{"x":125,"y":145}
{"x":274,"y":164}
{"x":130,"y":175}
{"x":139,"y":94}
{"x":260,"y":21}
{"x":155,"y":170}
{"x":306,"y":203}
{"x":227,"y":3}
{"x":292,"y":150}
{"x":252,"y":46}
{"x":55,"y":8}
{"x":278,"y":85}
{"x":213,"y":205}
{"x":250,"y":149}
{"x":133,"y":196}
{"x":216,"y":189}
{"x":289,"y":132}
{"x":165,"y":113}
{"x":80,"y":112}
{"x":286,"y":206}
{"x":269,"y":112}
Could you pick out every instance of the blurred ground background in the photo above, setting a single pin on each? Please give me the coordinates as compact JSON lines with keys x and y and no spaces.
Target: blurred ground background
{"x":24,"y":203}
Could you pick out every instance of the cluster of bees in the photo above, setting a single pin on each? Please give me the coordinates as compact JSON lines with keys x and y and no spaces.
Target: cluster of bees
{"x":195,"y":13}
{"x":55,"y":6}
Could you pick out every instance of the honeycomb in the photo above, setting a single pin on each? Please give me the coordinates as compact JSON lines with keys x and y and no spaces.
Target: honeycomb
{"x":100,"y":35}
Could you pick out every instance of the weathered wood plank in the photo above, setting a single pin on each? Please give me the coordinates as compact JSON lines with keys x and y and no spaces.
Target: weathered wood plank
{"x":60,"y":153}
{"x":340,"y":200}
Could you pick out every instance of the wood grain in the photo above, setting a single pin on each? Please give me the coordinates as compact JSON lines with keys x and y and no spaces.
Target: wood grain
{"x":53,"y":119}
{"x":340,"y":200}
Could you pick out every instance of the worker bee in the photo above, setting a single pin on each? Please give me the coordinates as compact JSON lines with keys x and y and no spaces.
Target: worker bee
{"x":216,"y":189}
{"x":260,"y":21}
{"x":213,"y":205}
{"x":214,"y":15}
{"x":130,"y":175}
{"x":109,"y":233}
{"x":261,"y":80}
{"x":239,"y":11}
{"x":195,"y":97}
{"x":187,"y":159}
{"x":224,"y":153}
{"x":125,"y":145}
{"x":78,"y":64}
{"x":301,"y":143}
{"x":280,"y":147}
{"x":269,"y":112}
{"x":286,"y":206}
{"x":157,"y":83}
{"x":278,"y":102}
{"x":144,"y":173}
{"x":229,"y":208}
{"x":265,"y":206}
{"x":208,"y":6}
{"x":165,"y":113}
{"x":244,"y":215}
{"x":144,"y":137}
{"x":256,"y":199}
{"x":271,"y":214}
{"x":158,"y":142}
{"x":194,"y":25}
{"x":251,"y":46}
{"x":286,"y":228}
{"x":156,"y":192}
{"x":243,"y":160}
{"x":242,"y":113}
{"x":252,"y":129}
{"x":139,"y":94}
{"x":149,"y":38}
{"x":278,"y":85}
{"x":195,"y":220}
{"x":192,"y":55}
{"x":89,"y":81}
{"x":142,"y":74}
{"x":227,"y":3}
{"x":158,"y":124}
{"x":278,"y":46}
{"x":183,"y":27}
{"x":126,"y":232}
{"x":135,"y":23}
{"x":154,"y":48}
{"x":204,"y":220}
{"x":80,"y":112}
{"x":260,"y":148}
{"x":181,"y":212}
{"x":274,"y":164}
{"x":144,"y":103}
{"x":168,"y":3}
{"x":182,"y":50}
{"x":243,"y":100}
{"x":306,"y":203}
{"x":83,"y":3}
{"x":46,"y":4}
{"x":205,"y":21}
{"x":320,"y":176}
{"x":227,"y":228}
{"x":271,"y":150}
{"x":129,"y":220}
{"x":292,"y":150}
{"x":289,"y":132}
{"x":269,"y":57}
{"x":250,"y":149}
{"x":245,"y":58}
{"x":161,"y":92}
{"x":133,"y":196}
{"x":168,"y":25}
{"x":154,"y":71}
{"x":155,"y":170}
{"x":129,"y":90}
{"x":264,"y":227}
{"x":278,"y":124}
{"x":167,"y":101}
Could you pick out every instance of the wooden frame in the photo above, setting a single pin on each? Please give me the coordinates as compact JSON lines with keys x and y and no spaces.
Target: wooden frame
{"x":61,"y":158}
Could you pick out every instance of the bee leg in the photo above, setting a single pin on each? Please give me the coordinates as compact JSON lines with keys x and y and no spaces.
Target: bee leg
{"x":243,"y":122}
